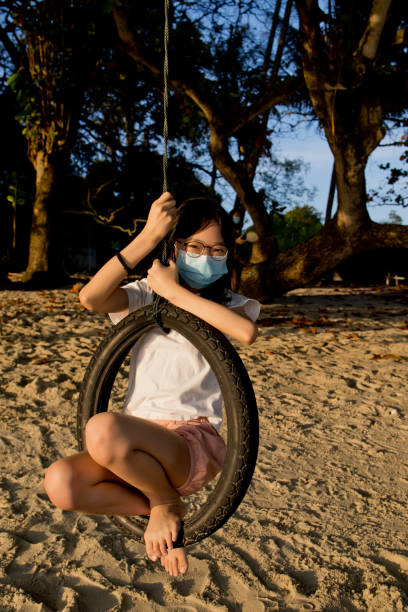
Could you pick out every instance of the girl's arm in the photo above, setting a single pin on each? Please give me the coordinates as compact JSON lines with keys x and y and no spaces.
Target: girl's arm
{"x":103,"y":293}
{"x":164,"y":281}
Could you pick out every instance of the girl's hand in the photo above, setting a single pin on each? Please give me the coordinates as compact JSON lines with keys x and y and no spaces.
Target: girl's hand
{"x":160,"y":218}
{"x":163,"y":279}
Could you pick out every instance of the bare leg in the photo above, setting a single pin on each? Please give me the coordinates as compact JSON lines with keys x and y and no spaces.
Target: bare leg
{"x":152,"y":459}
{"x":79,"y":483}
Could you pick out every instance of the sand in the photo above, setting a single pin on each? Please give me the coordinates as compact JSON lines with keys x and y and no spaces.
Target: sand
{"x":324,"y":523}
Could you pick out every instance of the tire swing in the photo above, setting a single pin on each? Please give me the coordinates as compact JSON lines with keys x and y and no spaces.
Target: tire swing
{"x":236,"y":388}
{"x":239,"y":404}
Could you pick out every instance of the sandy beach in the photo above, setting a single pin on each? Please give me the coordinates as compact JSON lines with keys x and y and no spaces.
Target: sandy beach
{"x":324,"y":523}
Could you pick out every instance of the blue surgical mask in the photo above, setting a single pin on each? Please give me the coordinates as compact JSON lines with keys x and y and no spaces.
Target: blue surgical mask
{"x":201,"y":271}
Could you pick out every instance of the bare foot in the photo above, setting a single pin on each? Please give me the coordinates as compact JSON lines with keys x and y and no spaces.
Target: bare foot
{"x":163,"y":527}
{"x":175,"y":561}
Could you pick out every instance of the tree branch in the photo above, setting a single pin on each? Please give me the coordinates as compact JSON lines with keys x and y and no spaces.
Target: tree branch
{"x":271,"y":38}
{"x":134,"y":49}
{"x":11,"y":49}
{"x":272,"y":98}
{"x":281,"y":43}
{"x":221,"y":127}
{"x":399,"y":143}
{"x":315,"y":68}
{"x":368,"y":44}
{"x":242,"y":183}
{"x":202,"y":100}
{"x":105,"y":220}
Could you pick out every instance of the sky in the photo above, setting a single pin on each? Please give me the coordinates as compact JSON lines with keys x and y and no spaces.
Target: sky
{"x":308,"y":144}
{"x":313,"y":148}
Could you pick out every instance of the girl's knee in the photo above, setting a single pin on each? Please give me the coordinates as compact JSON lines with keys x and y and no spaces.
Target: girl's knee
{"x":61,"y":484}
{"x":106,"y":440}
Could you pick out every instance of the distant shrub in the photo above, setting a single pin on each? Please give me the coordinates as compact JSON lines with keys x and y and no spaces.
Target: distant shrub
{"x":295,"y":226}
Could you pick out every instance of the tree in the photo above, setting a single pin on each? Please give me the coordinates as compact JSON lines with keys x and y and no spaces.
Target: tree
{"x":230,"y":88}
{"x":16,"y":192}
{"x":353,"y":66}
{"x":395,"y":189}
{"x":394,"y":217}
{"x":296,"y":226}
{"x":54,"y":46}
{"x":353,"y":72}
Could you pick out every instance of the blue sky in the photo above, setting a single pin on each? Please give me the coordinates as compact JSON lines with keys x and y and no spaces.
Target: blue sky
{"x":313,"y":148}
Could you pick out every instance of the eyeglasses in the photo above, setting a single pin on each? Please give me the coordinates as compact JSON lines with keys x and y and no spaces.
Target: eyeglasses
{"x":195,"y":248}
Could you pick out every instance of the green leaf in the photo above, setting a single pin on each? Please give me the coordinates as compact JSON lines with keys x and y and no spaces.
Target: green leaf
{"x":11,"y":81}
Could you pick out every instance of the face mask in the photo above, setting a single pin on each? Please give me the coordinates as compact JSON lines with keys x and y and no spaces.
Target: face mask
{"x":201,"y":271}
{"x":236,"y":220}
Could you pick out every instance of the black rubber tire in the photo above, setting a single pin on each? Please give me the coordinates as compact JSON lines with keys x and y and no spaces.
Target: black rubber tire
{"x":239,"y":402}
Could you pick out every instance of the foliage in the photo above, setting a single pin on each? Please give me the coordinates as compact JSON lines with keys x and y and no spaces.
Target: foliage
{"x":394,"y":217}
{"x":16,"y":183}
{"x":77,"y":90}
{"x":355,"y":63}
{"x":296,"y":226}
{"x":284,"y":183}
{"x":55,"y":45}
{"x":395,"y":190}
{"x":226,"y":65}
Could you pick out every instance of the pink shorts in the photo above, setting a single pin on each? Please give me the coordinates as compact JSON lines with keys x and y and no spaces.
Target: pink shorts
{"x":207,"y":452}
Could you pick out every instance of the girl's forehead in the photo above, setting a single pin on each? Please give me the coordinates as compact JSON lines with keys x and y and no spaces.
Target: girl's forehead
{"x":212,"y":232}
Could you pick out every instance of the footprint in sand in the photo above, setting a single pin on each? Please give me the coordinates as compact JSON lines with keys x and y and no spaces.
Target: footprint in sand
{"x":395,"y":562}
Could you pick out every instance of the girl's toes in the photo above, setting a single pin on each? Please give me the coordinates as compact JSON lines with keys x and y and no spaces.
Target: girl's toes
{"x":153,"y":554}
{"x":157,"y":552}
{"x":163,"y":549}
{"x":149,"y":551}
{"x":174,"y":568}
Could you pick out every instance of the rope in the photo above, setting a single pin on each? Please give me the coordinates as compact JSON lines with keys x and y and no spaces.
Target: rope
{"x":158,"y":302}
{"x":166,"y":91}
{"x":163,"y":256}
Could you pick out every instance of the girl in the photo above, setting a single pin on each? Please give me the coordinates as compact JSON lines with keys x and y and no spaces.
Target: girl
{"x":166,"y":443}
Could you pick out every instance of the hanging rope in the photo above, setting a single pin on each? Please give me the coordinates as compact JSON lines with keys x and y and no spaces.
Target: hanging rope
{"x":158,"y":302}
{"x":165,"y":107}
{"x":166,"y":91}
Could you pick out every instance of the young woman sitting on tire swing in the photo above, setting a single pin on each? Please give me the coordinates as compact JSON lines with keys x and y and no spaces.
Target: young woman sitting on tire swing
{"x":165,"y":444}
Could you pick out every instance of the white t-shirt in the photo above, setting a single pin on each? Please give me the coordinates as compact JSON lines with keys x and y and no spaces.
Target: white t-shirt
{"x":169,"y":379}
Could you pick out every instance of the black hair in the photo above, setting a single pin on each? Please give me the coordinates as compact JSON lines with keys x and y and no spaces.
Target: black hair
{"x":193,"y":215}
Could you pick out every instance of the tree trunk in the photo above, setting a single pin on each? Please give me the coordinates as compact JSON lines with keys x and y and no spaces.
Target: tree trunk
{"x":306,"y":263}
{"x":39,"y":236}
{"x":243,"y":186}
{"x":351,"y":188}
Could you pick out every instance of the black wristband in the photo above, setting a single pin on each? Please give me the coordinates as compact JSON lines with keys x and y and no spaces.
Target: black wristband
{"x":124,"y":264}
